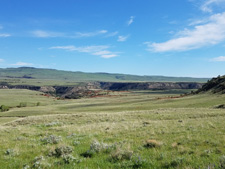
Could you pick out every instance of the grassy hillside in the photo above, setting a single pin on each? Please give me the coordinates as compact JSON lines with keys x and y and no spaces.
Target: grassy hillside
{"x":138,"y":129}
{"x":28,"y":75}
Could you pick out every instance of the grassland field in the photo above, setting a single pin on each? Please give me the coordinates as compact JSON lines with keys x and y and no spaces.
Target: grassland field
{"x":134,"y":129}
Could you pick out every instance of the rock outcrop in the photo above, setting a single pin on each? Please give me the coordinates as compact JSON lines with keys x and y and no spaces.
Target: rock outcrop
{"x":89,"y":89}
{"x":215,"y":85}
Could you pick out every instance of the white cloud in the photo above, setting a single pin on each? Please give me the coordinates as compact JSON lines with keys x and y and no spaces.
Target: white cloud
{"x":112,"y":34}
{"x":109,"y":56}
{"x":90,"y":34}
{"x":210,"y":33}
{"x":50,"y":34}
{"x":218,"y":59}
{"x":208,"y":4}
{"x":46,"y":34}
{"x":98,"y":50}
{"x":2,"y":60}
{"x":131,"y":20}
{"x":69,"y":48}
{"x":4,"y":35}
{"x":1,"y":27}
{"x":22,"y":64}
{"x":122,"y":38}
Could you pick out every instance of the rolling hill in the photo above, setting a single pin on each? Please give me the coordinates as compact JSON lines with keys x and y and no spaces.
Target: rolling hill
{"x":35,"y":74}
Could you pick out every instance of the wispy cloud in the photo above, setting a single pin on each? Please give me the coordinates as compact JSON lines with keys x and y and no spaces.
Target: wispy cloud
{"x":210,"y":33}
{"x":22,"y":64}
{"x":2,"y":60}
{"x":111,"y":34}
{"x":122,"y":38}
{"x":4,"y":35}
{"x":218,"y":59}
{"x":46,"y":34}
{"x":51,"y":34}
{"x":98,"y":50}
{"x":208,"y":4}
{"x":1,"y":27}
{"x":130,"y":21}
{"x":90,"y":34}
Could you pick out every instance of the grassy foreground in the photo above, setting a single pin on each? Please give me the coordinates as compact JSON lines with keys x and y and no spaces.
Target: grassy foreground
{"x":144,"y":129}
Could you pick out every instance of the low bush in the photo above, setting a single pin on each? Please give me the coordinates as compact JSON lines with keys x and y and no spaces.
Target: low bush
{"x":138,"y":162}
{"x":222,"y":162}
{"x":175,"y":163}
{"x":97,"y":147}
{"x":61,"y":151}
{"x":52,"y":139}
{"x":4,"y":108}
{"x":120,"y":155}
{"x":22,"y":104}
{"x":38,"y":163}
{"x":10,"y":152}
{"x":152,"y":144}
{"x":221,"y":106}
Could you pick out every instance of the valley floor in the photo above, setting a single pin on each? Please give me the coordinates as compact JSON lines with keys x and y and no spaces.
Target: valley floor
{"x":136,"y":129}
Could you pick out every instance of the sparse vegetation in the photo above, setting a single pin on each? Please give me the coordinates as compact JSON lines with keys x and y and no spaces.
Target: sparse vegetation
{"x":129,"y":130}
{"x":52,"y":139}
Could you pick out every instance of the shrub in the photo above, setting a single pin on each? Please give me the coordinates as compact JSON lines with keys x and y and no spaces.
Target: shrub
{"x":88,"y":154}
{"x":61,"y":151}
{"x":174,"y":163}
{"x":4,"y":108}
{"x":68,"y":158}
{"x":138,"y":162}
{"x":152,"y":144}
{"x":53,"y":124}
{"x":221,"y":106}
{"x":76,"y":142}
{"x":38,"y":104}
{"x":222,"y":162}
{"x":52,"y":139}
{"x":97,"y":147}
{"x":23,"y":104}
{"x":120,"y":155}
{"x":10,"y":152}
{"x":39,"y":162}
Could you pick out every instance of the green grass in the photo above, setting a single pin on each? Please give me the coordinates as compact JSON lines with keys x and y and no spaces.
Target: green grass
{"x":13,"y":98}
{"x":190,"y":130}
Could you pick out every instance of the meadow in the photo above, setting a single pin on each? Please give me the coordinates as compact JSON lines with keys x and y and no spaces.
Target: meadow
{"x":133,"y":129}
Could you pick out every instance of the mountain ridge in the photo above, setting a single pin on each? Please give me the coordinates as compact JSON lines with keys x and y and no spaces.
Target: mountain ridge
{"x":78,"y":76}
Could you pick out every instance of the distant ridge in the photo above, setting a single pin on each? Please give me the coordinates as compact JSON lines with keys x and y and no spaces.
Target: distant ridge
{"x":60,"y":75}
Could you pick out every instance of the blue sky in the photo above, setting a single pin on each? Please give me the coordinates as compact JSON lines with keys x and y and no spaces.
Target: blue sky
{"x":147,"y":37}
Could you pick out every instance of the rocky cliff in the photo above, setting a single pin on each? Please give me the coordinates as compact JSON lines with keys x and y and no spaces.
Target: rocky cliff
{"x":89,"y":89}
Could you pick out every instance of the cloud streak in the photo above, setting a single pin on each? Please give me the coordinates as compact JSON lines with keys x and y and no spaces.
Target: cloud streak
{"x":208,"y":4}
{"x":51,"y":34}
{"x":22,"y":64}
{"x":130,"y":21}
{"x":4,"y":35}
{"x":98,"y":50}
{"x":46,"y":34}
{"x":2,"y":60}
{"x":122,"y":38}
{"x":218,"y":59}
{"x":210,"y":33}
{"x":90,"y":34}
